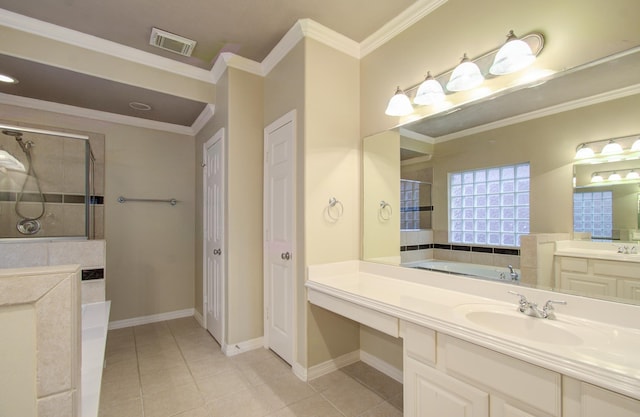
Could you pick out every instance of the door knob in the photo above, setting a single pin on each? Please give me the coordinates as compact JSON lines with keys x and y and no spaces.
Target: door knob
{"x":285,"y":256}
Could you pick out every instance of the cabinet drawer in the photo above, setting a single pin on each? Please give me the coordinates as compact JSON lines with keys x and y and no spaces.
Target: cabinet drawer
{"x":574,"y":264}
{"x":514,"y":378}
{"x":617,"y":269}
{"x":419,"y":343}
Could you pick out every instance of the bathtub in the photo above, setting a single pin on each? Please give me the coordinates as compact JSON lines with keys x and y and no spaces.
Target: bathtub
{"x":459,"y":268}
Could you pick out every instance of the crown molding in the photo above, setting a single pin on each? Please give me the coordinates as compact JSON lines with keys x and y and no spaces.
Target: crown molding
{"x":228,"y":59}
{"x":282,"y":48}
{"x":398,"y":24}
{"x":323,"y":34}
{"x":68,"y":110}
{"x":549,"y":111}
{"x":99,"y":45}
{"x":203,"y":118}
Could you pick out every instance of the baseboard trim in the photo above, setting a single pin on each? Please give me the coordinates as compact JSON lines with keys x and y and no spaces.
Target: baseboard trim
{"x":198,"y":317}
{"x":299,"y":371}
{"x":333,"y":365}
{"x":382,"y":366}
{"x":153,"y":318}
{"x":247,"y":345}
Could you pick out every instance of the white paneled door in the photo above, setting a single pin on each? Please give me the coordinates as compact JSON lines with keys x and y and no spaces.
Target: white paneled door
{"x":214,"y":236}
{"x":279,"y":235}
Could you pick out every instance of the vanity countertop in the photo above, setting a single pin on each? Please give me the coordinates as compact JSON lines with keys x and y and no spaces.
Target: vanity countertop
{"x":603,"y":351}
{"x":607,"y":251}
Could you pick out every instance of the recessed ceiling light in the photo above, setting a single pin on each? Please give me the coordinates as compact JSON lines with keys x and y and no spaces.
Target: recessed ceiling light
{"x":7,"y":79}
{"x":139,"y":106}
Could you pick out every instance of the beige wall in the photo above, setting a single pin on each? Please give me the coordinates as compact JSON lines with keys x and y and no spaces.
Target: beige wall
{"x":150,"y":246}
{"x":332,"y":168}
{"x":239,"y":111}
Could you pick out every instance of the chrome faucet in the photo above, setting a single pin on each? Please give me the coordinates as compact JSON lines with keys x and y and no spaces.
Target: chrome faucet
{"x":531,"y":309}
{"x":627,"y":250}
{"x":513,"y":274}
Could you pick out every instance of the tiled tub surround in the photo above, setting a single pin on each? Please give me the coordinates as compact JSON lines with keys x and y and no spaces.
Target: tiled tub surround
{"x":89,"y":254}
{"x":384,"y":297}
{"x":40,"y":364}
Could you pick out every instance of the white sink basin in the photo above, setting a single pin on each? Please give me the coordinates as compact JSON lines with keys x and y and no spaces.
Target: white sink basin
{"x":511,"y":322}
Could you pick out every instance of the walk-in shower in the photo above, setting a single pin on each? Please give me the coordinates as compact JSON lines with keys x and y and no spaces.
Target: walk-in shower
{"x":47,"y":186}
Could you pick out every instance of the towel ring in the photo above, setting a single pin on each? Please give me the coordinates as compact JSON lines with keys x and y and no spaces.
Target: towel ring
{"x":335,"y":209}
{"x":385,"y":211}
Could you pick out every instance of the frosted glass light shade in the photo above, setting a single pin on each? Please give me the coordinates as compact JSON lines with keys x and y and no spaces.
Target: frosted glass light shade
{"x":636,"y":145}
{"x":465,"y":76}
{"x":429,"y":92}
{"x":9,"y":161}
{"x":399,"y":105}
{"x":615,"y":177}
{"x":514,"y":55}
{"x":612,"y":148}
{"x":584,"y":152}
{"x":632,"y":175}
{"x":596,"y":178}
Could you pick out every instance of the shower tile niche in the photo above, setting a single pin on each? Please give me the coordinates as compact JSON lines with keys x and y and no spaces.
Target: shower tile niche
{"x":61,"y":186}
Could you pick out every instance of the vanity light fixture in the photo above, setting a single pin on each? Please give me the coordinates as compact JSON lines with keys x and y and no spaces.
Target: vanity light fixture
{"x":612,"y":148}
{"x":614,"y":176}
{"x":399,"y":105}
{"x":584,"y":152}
{"x":636,"y":145}
{"x":429,"y":92}
{"x":465,"y":76}
{"x":470,"y":73}
{"x":632,"y":175}
{"x":513,"y":56}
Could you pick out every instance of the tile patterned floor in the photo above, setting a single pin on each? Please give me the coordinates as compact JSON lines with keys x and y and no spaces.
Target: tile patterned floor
{"x":175,"y":368}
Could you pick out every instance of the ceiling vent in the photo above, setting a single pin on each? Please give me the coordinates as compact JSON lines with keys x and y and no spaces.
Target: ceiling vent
{"x":171,"y":42}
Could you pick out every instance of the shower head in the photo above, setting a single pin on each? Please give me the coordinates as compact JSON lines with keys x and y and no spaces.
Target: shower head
{"x":16,"y":134}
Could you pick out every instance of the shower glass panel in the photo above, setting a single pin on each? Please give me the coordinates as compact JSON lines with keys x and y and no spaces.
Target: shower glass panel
{"x":46,"y":184}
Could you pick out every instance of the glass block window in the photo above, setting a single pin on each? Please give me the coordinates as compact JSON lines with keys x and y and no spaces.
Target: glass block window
{"x":409,"y":203}
{"x":593,"y":212}
{"x":489,"y":206}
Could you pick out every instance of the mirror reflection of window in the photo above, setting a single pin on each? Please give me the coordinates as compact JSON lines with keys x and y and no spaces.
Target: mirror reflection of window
{"x":593,"y":214}
{"x":415,"y":205}
{"x":489,"y":206}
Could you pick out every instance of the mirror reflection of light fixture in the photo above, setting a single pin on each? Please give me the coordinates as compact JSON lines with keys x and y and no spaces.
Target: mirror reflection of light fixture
{"x":632,"y":175}
{"x":623,"y":147}
{"x":584,"y":152}
{"x":8,"y":79}
{"x":465,"y":76}
{"x":614,"y":177}
{"x":513,"y":56}
{"x":429,"y":92}
{"x":10,"y":162}
{"x":612,"y":148}
{"x":399,"y":105}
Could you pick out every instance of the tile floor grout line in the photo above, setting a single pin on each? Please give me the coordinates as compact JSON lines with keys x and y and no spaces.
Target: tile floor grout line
{"x":135,"y":346}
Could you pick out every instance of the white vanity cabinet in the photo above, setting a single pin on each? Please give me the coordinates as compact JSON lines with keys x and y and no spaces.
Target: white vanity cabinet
{"x":598,"y":277}
{"x":448,"y":377}
{"x":586,"y":400}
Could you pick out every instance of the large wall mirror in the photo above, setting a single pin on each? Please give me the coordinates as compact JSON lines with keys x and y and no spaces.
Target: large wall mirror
{"x":540,"y":125}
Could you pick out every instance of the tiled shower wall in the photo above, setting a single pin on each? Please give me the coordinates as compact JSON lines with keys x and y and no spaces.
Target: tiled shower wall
{"x":60,"y":166}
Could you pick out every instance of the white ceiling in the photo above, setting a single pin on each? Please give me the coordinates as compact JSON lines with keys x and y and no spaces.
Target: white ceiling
{"x":248,"y":28}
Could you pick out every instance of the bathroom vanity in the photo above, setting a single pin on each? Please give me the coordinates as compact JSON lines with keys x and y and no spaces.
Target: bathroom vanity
{"x":468,"y":351}
{"x":598,"y":269}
